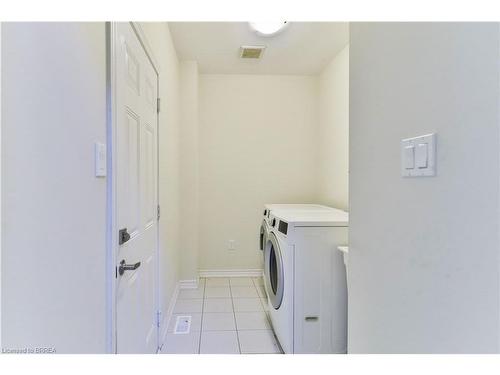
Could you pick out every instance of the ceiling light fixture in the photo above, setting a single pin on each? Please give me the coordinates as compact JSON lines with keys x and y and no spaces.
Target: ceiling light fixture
{"x":268,"y":28}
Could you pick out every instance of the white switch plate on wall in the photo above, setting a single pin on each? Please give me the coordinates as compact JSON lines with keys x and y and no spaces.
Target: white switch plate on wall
{"x":100,"y":160}
{"x":418,"y":156}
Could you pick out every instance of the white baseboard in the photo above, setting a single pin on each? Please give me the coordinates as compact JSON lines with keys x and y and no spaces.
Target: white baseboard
{"x":231,"y":273}
{"x":168,"y":316}
{"x":188,"y":284}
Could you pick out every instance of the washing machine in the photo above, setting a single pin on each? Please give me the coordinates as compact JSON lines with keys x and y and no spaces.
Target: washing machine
{"x":266,"y":220}
{"x":305,"y":280}
{"x":268,"y":208}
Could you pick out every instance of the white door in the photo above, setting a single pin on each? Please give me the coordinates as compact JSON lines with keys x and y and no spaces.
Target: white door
{"x":136,"y":194}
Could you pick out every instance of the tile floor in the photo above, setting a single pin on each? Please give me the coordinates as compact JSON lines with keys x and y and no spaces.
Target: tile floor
{"x":228,"y":316}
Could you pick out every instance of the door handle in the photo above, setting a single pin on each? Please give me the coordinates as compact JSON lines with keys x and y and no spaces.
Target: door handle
{"x":127,"y":267}
{"x":123,"y":236}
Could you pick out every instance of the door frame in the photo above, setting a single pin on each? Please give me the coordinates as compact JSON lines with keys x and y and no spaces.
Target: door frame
{"x":1,"y":194}
{"x":111,"y":183}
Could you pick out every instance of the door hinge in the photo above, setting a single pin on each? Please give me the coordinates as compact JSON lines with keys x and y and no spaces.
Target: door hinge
{"x":158,"y":319}
{"x":158,"y":212}
{"x":157,"y":105}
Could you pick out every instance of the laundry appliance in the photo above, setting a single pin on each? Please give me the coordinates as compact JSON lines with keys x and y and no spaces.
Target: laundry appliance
{"x":268,"y":208}
{"x":305,"y":280}
{"x":267,"y":221}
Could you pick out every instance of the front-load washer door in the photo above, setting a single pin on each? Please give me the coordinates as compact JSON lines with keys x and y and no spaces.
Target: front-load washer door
{"x":273,"y":271}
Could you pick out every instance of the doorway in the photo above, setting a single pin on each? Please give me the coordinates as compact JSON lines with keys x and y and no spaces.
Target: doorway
{"x":133,"y":191}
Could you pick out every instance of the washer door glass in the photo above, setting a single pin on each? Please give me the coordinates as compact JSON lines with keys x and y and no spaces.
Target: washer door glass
{"x":273,"y":269}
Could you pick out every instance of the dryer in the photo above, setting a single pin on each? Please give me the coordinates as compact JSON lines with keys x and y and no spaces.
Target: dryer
{"x":269,"y":207}
{"x":266,"y":223}
{"x":305,"y":280}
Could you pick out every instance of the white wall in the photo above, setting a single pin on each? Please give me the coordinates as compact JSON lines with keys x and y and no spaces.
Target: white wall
{"x":53,"y":208}
{"x":257,"y":145}
{"x":424,"y":265}
{"x":54,"y":244}
{"x":189,"y":170}
{"x":1,"y":195}
{"x":333,"y":137}
{"x":159,"y":38}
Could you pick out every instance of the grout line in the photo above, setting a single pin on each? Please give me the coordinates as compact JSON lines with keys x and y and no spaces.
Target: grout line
{"x":234,"y":316}
{"x":202,"y":313}
{"x":255,"y":285}
{"x":261,"y":303}
{"x":268,"y":316}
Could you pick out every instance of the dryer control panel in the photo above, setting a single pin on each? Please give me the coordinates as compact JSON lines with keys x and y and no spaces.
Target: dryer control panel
{"x":283,"y":227}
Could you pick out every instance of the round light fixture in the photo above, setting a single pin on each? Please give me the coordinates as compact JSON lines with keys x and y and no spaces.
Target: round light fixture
{"x":268,"y":28}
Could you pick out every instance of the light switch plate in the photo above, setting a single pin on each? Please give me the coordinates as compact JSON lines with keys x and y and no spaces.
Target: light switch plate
{"x":100,"y":160}
{"x":424,"y":157}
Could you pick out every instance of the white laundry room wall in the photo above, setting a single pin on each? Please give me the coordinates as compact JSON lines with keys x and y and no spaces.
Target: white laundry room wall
{"x":189,"y":171}
{"x":333,"y":132}
{"x":53,"y":208}
{"x":423,"y":263}
{"x":258,"y":143}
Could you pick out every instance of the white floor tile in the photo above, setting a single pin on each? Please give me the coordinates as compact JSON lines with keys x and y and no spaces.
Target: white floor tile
{"x":188,"y":306}
{"x":181,"y":344}
{"x":265,"y":304}
{"x":218,"y":322}
{"x":262,"y":292}
{"x":195,"y":322}
{"x":247,"y":304}
{"x":225,"y":342}
{"x":241,"y":281}
{"x":258,"y":281}
{"x":244,"y":292}
{"x":191,"y":293}
{"x":252,"y":320}
{"x":217,"y":281}
{"x":217,"y":292}
{"x":261,"y":342}
{"x":214,"y":305}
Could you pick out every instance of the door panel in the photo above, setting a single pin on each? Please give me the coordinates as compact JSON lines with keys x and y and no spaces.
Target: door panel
{"x":149,"y":208}
{"x":136,"y":193}
{"x":130,"y":171}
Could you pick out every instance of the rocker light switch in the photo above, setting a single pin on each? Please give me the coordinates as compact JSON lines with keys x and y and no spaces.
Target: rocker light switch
{"x":409,"y":157}
{"x":421,"y":156}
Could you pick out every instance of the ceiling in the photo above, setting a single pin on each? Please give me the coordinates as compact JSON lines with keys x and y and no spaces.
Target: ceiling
{"x":302,"y":48}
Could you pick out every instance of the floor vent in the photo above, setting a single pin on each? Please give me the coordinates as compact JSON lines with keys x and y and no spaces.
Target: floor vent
{"x":182,"y":325}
